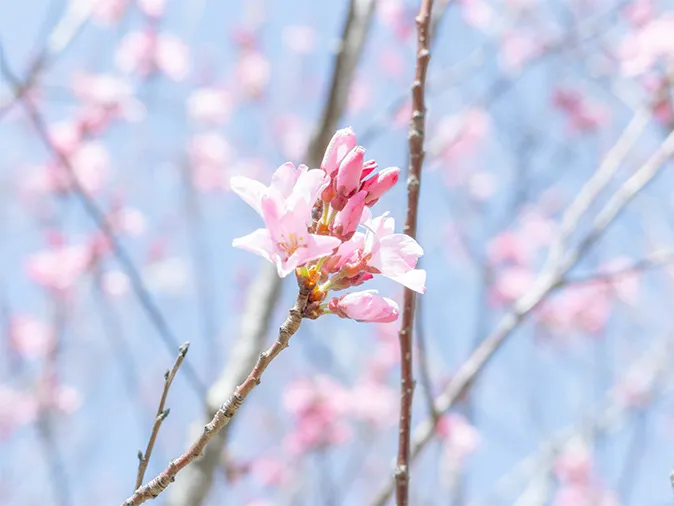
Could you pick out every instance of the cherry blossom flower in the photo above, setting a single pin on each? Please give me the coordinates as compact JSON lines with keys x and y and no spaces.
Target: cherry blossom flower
{"x":286,"y":211}
{"x":311,"y":219}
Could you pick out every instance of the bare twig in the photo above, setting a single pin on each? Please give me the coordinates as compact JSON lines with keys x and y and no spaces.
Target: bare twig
{"x":162,"y":413}
{"x":100,"y":219}
{"x":194,"y":484}
{"x":416,"y":146}
{"x":550,"y":279}
{"x":227,"y":410}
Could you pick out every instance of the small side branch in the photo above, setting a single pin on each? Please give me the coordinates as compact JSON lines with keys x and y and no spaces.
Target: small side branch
{"x":416,"y":147}
{"x":227,"y":410}
{"x":162,"y":413}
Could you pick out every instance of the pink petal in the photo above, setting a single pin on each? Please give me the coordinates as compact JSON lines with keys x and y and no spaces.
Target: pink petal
{"x":318,"y":246}
{"x":414,"y":279}
{"x":250,"y":190}
{"x":258,"y":242}
{"x":286,"y":176}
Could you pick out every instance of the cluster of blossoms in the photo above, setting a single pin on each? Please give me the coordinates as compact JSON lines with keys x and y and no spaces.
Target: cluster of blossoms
{"x":312,"y":219}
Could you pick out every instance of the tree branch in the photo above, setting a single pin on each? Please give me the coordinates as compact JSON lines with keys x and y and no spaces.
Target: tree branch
{"x":416,"y":146}
{"x":551,"y":278}
{"x":194,"y":484}
{"x":162,"y":413}
{"x":227,"y":410}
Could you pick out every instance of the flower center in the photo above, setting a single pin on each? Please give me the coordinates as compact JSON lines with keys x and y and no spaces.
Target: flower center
{"x":291,"y":243}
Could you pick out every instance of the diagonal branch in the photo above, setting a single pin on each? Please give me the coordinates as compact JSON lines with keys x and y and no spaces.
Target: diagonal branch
{"x":224,"y":415}
{"x":195,"y":483}
{"x":550,"y":279}
{"x":162,"y":413}
{"x":416,"y":146}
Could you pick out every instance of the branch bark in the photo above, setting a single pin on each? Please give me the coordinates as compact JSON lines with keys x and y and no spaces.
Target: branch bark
{"x":551,"y":278}
{"x":416,"y":146}
{"x":229,"y":408}
{"x":194,"y":484}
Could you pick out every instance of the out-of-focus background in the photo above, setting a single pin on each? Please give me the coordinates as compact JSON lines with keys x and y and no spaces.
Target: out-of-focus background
{"x":542,"y":239}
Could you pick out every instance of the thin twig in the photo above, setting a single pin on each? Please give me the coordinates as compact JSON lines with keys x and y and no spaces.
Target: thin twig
{"x":162,"y":413}
{"x":657,"y":259}
{"x":227,"y":411}
{"x":550,"y":279}
{"x":100,"y":219}
{"x":195,"y":483}
{"x":416,"y":146}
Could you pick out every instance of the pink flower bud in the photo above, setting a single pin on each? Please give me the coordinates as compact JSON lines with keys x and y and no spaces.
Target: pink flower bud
{"x":341,"y":143}
{"x":365,"y":306}
{"x":347,"y":219}
{"x":329,"y":193}
{"x":381,"y":183}
{"x":348,"y":176}
{"x":368,"y":168}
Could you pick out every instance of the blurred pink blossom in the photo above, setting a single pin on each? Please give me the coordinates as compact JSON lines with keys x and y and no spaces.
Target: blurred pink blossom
{"x":517,"y":49}
{"x":459,"y":438}
{"x":582,"y":114}
{"x":477,"y":13}
{"x":300,"y":38}
{"x":511,"y":283}
{"x":271,"y":472}
{"x":146,"y":52}
{"x":253,"y":71}
{"x":108,"y":12}
{"x":210,"y":105}
{"x":115,"y":283}
{"x":583,"y":308}
{"x":60,"y":267}
{"x":639,"y":12}
{"x":318,"y":406}
{"x":374,"y":402}
{"x":30,"y":337}
{"x":152,"y":8}
{"x":574,"y":465}
{"x":395,"y":15}
{"x":647,"y":45}
{"x":16,"y":410}
{"x":210,"y":156}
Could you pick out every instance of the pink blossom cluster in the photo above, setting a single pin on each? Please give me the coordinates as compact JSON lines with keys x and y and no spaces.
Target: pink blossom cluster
{"x":312,"y":219}
{"x":578,"y":482}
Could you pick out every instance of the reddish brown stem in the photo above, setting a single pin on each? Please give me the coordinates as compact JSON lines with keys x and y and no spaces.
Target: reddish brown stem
{"x":416,"y":147}
{"x":162,"y":413}
{"x":227,"y":411}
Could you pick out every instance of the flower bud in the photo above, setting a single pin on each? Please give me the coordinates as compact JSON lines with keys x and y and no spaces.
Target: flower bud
{"x":350,"y":170}
{"x":347,"y":219}
{"x":365,"y":306}
{"x":341,"y":143}
{"x":378,"y":185}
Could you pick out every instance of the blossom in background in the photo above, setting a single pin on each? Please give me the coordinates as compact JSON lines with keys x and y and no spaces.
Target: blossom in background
{"x":312,"y":219}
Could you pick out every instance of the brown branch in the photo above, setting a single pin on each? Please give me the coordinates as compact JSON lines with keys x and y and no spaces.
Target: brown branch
{"x":194,"y":484}
{"x":162,"y":413}
{"x":416,"y":146}
{"x":550,"y":279}
{"x":227,"y":410}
